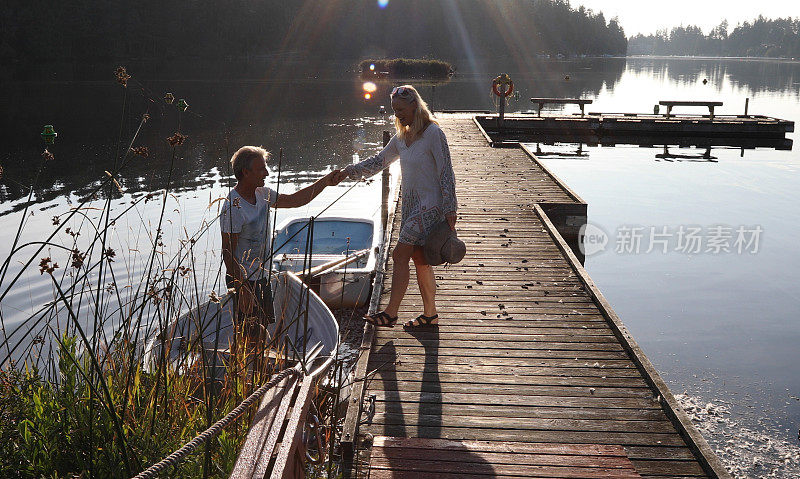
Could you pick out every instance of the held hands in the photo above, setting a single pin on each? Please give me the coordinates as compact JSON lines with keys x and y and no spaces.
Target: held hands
{"x":335,"y":177}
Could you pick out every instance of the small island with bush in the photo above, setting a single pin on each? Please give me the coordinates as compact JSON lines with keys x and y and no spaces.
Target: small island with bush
{"x":405,"y":68}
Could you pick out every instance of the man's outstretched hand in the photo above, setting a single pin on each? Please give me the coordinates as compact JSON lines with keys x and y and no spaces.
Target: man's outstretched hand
{"x":336,"y":176}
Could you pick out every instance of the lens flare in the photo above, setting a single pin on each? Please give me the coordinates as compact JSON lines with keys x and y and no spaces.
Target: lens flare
{"x":372,"y":67}
{"x":383,"y":3}
{"x":370,"y":87}
{"x":367,"y":96}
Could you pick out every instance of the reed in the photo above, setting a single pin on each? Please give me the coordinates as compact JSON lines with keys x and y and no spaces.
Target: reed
{"x":80,"y":395}
{"x":76,"y":395}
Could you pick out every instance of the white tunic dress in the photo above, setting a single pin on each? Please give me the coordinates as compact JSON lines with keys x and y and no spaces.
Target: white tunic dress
{"x":428,"y":184}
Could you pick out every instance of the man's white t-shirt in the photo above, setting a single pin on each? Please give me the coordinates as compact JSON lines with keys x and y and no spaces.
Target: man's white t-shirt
{"x":251,"y":222}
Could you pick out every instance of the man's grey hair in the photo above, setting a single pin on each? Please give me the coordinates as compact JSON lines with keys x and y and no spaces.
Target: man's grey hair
{"x":244,"y":156}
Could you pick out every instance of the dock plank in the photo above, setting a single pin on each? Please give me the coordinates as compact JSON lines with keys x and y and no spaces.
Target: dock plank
{"x":526,"y":376}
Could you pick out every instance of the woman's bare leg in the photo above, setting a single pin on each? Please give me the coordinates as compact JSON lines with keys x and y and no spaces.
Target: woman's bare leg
{"x":426,"y":281}
{"x":400,"y":275}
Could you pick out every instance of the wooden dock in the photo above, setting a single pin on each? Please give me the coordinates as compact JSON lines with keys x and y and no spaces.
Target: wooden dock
{"x":530,"y":372}
{"x":640,"y":129}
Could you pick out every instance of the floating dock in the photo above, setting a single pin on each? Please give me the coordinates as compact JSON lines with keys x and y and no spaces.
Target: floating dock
{"x":530,"y":372}
{"x":747,"y":131}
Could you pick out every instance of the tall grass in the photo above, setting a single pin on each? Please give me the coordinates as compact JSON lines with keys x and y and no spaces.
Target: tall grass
{"x":77,"y":398}
{"x":68,"y":428}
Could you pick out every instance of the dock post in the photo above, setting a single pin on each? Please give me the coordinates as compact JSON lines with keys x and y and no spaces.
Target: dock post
{"x":502,"y":87}
{"x":385,"y":187}
{"x":746,"y":106}
{"x":501,"y":113}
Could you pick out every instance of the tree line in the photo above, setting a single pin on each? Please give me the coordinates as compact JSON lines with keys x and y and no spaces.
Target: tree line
{"x":300,"y":30}
{"x":762,"y":37}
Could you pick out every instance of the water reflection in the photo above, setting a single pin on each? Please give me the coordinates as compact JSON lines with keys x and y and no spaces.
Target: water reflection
{"x":754,"y":75}
{"x":282,"y":112}
{"x":690,"y":151}
{"x":95,"y":119}
{"x":308,"y":145}
{"x":705,"y":156}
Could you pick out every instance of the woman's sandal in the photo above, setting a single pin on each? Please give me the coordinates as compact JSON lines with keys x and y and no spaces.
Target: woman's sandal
{"x":422,"y":321}
{"x":381,"y":319}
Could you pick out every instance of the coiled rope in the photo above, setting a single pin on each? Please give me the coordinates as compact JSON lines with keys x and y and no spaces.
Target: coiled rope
{"x":177,"y":456}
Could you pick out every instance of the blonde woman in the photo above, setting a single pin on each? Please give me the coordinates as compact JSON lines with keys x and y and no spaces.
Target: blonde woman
{"x":428,"y":194}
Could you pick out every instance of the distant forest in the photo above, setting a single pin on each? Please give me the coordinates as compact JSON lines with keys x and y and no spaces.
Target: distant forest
{"x":300,"y":30}
{"x":761,"y":38}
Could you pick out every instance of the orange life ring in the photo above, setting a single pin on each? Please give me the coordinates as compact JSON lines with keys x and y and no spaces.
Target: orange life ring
{"x":502,"y":81}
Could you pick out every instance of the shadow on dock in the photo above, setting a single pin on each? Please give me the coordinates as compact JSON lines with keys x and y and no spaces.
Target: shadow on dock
{"x":398,"y":454}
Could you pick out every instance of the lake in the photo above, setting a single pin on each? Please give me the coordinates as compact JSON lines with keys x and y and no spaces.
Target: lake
{"x":721,"y":326}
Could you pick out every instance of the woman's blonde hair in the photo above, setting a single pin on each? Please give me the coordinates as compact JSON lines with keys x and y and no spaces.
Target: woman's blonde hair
{"x":422,"y":115}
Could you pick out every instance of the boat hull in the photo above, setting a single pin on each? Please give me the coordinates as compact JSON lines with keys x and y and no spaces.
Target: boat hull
{"x":302,"y":320}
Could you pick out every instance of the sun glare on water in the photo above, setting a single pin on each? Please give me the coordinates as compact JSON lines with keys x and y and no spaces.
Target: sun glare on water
{"x":369,"y":89}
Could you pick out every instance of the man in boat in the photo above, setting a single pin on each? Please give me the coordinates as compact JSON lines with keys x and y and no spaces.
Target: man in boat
{"x":244,"y":222}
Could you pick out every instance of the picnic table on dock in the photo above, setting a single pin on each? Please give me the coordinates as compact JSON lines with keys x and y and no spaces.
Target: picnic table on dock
{"x":673,"y":103}
{"x":530,"y":372}
{"x":581,"y":102}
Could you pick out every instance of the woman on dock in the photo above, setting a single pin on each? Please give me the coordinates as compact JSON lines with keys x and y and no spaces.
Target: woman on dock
{"x":429,"y":198}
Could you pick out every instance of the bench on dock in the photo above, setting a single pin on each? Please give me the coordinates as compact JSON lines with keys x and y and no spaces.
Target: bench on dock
{"x":710,"y":104}
{"x":581,"y":102}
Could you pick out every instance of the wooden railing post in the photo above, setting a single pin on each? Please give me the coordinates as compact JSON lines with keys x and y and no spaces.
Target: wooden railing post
{"x":353,"y":416}
{"x":385,"y":188}
{"x":501,"y":116}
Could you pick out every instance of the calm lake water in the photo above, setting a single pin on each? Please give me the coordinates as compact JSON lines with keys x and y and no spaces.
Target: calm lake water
{"x":721,"y":327}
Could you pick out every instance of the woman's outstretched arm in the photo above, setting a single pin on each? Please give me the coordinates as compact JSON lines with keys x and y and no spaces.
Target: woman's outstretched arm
{"x":376,"y":163}
{"x":304,"y":196}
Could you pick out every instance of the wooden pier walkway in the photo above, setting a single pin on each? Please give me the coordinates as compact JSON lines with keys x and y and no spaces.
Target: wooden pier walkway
{"x":530,"y":372}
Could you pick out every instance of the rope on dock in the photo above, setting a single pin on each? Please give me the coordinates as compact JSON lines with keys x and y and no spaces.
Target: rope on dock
{"x":178,"y":456}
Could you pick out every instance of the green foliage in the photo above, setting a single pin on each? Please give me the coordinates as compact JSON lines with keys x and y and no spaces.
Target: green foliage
{"x":298,"y":30}
{"x":83,"y":400}
{"x":763,"y":37}
{"x":64,"y":428}
{"x":407,"y":68}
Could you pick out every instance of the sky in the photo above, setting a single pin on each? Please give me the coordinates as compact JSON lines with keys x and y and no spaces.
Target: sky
{"x":647,"y":16}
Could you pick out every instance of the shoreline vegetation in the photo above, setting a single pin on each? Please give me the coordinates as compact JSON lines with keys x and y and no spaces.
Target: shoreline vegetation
{"x":287,"y":37}
{"x":78,"y":395}
{"x":289,"y":32}
{"x":762,"y":38}
{"x":405,"y":68}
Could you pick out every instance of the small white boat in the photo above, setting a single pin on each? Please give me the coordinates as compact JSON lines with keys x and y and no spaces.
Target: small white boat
{"x":302,"y":322}
{"x":335,"y":237}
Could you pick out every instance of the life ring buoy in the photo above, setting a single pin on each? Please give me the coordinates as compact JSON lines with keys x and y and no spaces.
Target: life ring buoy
{"x":503,"y":79}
